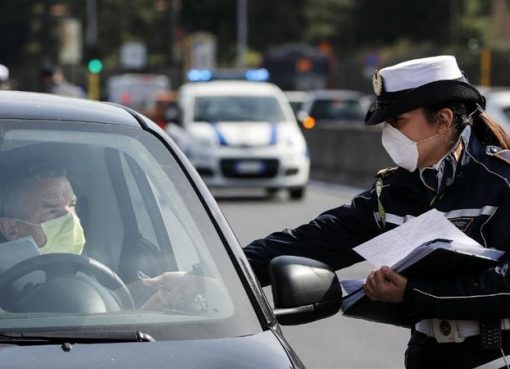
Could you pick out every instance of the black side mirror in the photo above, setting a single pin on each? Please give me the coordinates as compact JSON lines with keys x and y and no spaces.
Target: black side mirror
{"x":303,"y":289}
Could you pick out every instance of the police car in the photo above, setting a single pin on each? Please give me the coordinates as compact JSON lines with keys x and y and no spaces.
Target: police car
{"x":241,"y":133}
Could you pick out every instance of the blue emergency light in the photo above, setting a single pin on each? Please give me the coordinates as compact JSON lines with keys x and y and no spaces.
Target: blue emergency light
{"x":259,"y":75}
{"x":199,"y":75}
{"x":204,"y":75}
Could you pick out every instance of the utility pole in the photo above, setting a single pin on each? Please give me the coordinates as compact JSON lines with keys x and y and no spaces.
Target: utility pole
{"x":242,"y":32}
{"x":91,"y":33}
{"x":171,"y":22}
{"x":94,"y":81}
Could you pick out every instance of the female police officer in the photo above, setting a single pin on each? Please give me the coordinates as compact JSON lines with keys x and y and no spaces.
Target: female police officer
{"x":451,"y":157}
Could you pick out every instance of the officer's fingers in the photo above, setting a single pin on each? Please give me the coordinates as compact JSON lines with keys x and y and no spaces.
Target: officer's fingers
{"x":393,"y":277}
{"x":369,"y":291}
{"x":372,"y":287}
{"x":380,"y":282}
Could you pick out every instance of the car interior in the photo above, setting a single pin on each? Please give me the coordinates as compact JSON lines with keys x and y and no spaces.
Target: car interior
{"x":130,"y":225}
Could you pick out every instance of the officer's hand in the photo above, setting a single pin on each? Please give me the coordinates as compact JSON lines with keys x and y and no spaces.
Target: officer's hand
{"x":385,"y":285}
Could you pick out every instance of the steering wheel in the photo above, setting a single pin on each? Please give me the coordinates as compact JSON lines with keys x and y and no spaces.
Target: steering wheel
{"x":62,"y":289}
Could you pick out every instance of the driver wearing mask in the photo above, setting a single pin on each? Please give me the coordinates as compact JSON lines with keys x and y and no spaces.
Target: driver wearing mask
{"x":38,"y":204}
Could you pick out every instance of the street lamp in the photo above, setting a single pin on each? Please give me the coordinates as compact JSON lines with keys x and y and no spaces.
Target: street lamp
{"x":242,"y":32}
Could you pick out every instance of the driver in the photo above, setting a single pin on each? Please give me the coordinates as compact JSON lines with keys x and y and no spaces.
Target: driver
{"x":38,"y":203}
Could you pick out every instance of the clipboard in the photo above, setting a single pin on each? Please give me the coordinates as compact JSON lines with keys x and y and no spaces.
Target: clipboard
{"x":435,"y":259}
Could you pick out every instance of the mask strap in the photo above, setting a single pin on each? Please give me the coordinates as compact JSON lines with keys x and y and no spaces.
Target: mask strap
{"x":26,"y":222}
{"x":469,"y":118}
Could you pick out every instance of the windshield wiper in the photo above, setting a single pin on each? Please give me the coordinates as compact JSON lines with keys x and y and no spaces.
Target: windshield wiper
{"x":67,"y":339}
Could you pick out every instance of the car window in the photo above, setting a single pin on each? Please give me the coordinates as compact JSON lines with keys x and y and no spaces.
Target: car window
{"x":337,"y":109}
{"x":145,"y":225}
{"x":506,"y":112}
{"x":235,"y":108}
{"x":141,"y":217}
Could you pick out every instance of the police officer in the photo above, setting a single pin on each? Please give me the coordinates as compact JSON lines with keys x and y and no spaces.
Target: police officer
{"x":452,"y":157}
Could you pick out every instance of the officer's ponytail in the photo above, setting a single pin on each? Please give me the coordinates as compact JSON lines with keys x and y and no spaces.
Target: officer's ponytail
{"x":489,"y":131}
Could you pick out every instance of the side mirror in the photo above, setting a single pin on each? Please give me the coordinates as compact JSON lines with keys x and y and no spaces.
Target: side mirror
{"x":304,"y":290}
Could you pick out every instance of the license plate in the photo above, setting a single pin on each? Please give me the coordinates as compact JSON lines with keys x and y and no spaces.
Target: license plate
{"x":249,"y":167}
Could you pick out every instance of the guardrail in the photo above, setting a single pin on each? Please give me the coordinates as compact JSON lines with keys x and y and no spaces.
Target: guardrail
{"x":349,"y":155}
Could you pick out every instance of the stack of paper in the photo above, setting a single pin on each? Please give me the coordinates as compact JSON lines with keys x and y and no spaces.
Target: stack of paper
{"x":428,"y":245}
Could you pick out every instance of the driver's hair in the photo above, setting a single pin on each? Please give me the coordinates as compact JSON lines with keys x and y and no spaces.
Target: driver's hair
{"x":21,"y":179}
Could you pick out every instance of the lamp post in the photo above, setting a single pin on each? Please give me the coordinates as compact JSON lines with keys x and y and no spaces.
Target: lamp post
{"x":242,"y":32}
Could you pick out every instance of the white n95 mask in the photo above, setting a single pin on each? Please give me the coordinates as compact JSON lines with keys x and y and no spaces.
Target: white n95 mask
{"x":402,"y":150}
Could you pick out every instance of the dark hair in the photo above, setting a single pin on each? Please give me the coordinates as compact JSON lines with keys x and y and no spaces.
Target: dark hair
{"x":488,"y":131}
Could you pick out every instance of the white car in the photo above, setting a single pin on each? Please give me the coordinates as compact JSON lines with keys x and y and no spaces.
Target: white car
{"x":498,"y":107}
{"x":242,"y":134}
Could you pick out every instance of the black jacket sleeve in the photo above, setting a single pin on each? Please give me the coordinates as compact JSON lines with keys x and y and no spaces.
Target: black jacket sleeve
{"x":328,"y":238}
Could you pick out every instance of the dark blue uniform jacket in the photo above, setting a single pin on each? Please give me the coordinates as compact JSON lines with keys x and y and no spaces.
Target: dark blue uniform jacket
{"x":473,"y":193}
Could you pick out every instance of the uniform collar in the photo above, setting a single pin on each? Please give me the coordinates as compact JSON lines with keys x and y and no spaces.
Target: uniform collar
{"x":442,"y":174}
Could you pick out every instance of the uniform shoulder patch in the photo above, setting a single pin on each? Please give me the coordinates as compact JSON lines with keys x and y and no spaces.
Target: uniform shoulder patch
{"x":503,"y":155}
{"x":386,"y":171}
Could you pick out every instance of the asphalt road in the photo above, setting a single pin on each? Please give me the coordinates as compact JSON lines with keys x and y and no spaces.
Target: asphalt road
{"x":336,"y":342}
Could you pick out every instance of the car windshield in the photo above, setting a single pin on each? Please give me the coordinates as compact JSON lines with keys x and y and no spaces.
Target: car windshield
{"x":234,"y":108}
{"x":337,"y":109}
{"x":140,"y":217}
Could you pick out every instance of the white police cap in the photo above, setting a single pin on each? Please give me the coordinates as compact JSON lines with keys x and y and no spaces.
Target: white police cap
{"x":417,"y":83}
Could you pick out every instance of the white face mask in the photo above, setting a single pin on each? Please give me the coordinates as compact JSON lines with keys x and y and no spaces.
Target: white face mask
{"x":402,"y":150}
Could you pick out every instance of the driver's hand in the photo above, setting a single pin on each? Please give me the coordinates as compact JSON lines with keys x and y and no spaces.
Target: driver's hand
{"x":176,"y":290}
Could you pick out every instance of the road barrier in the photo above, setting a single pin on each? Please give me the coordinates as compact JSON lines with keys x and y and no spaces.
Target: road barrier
{"x":349,"y":155}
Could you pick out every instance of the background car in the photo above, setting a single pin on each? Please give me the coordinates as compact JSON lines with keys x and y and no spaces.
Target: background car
{"x":498,"y":106}
{"x":296,"y":100}
{"x":242,"y":134}
{"x":144,"y":211}
{"x":139,"y":91}
{"x":332,"y":108}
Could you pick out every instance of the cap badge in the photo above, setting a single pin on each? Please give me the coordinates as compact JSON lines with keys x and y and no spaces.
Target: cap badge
{"x":377,"y":82}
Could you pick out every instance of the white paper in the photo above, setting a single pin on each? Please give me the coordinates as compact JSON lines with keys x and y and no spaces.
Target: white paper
{"x":13,"y":252}
{"x":394,"y":245}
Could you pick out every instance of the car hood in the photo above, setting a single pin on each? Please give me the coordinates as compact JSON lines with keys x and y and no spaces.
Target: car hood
{"x":239,"y":133}
{"x":263,"y":350}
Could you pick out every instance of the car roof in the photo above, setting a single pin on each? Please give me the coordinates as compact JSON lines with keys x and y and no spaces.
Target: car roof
{"x":39,"y":106}
{"x":321,"y":94}
{"x":296,"y":95}
{"x":222,"y":87}
{"x":499,"y":96}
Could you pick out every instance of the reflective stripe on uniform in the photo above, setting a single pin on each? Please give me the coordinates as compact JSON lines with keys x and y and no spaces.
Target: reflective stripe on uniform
{"x":486,"y":210}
